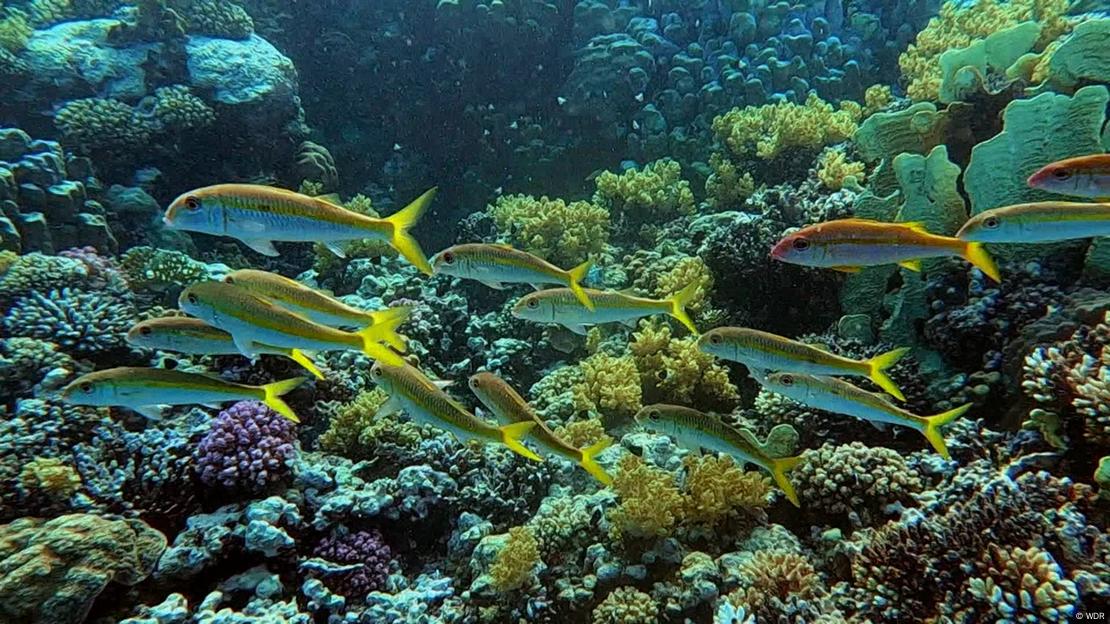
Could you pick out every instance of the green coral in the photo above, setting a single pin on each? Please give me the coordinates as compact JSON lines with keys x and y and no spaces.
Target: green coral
{"x":93,"y":124}
{"x":767,"y":131}
{"x":563,"y":233}
{"x":360,"y":430}
{"x":726,"y":187}
{"x":654,"y":194}
{"x":15,"y":30}
{"x":967,"y":71}
{"x":1084,"y":57}
{"x":177,"y":109}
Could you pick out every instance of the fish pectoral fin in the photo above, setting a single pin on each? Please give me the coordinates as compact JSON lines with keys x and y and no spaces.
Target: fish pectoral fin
{"x":262,"y":246}
{"x":538,"y":287}
{"x":390,"y":406}
{"x":336,"y":248}
{"x":153,"y":412}
{"x":846,"y":269}
{"x":880,"y":426}
{"x":443,"y":383}
{"x":247,"y":348}
{"x":633,"y":323}
{"x":578,"y":329}
{"x":913,"y":265}
{"x":493,"y":285}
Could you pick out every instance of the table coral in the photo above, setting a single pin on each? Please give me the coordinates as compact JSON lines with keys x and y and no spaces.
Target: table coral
{"x":52,"y":570}
{"x":768,"y":131}
{"x":248,"y":446}
{"x":563,"y":233}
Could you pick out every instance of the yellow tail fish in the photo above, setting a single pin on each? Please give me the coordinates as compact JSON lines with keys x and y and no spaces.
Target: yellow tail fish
{"x":561,"y":305}
{"x":495,"y":265}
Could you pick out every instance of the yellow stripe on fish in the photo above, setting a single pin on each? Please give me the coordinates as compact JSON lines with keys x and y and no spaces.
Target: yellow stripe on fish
{"x":1081,"y":176}
{"x":509,"y":408}
{"x":763,"y":351}
{"x":561,"y":305}
{"x":252,"y":320}
{"x":258,"y":215}
{"x":424,"y":402}
{"x":495,"y":265}
{"x":144,"y":389}
{"x":1038,"y":222}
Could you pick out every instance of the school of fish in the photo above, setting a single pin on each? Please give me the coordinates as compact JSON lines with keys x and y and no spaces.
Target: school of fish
{"x":255,"y":313}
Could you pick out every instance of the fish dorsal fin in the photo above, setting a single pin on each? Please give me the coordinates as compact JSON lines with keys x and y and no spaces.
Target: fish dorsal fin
{"x":916,"y":226}
{"x":819,"y":346}
{"x":505,"y":246}
{"x":857,"y":220}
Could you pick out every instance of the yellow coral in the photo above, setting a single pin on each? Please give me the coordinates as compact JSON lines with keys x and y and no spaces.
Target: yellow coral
{"x":689,"y":270}
{"x":876,"y":98}
{"x":627,"y":605}
{"x":311,"y":188}
{"x":15,"y":29}
{"x":565,"y":234}
{"x":609,"y":385}
{"x":583,"y":433}
{"x":650,"y":503}
{"x":767,"y":131}
{"x":958,"y":26}
{"x":676,"y":371}
{"x":7,"y":259}
{"x":357,"y":429}
{"x":726,"y":187}
{"x":774,"y":575}
{"x":52,"y":477}
{"x":515,"y":562}
{"x":657,"y":192}
{"x":716,"y":489}
{"x":834,"y":169}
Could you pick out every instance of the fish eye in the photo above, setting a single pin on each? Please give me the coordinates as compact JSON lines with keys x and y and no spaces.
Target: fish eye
{"x":786,"y":380}
{"x":474,"y":383}
{"x":192,"y":299}
{"x":534,"y":303}
{"x":229,"y":280}
{"x":1061,"y":174}
{"x":653,"y":414}
{"x":192,"y":203}
{"x":800,"y":244}
{"x":991,"y":223}
{"x":716,"y":339}
{"x":377,"y":372}
{"x":448,"y":257}
{"x":86,"y":388}
{"x":145,"y":331}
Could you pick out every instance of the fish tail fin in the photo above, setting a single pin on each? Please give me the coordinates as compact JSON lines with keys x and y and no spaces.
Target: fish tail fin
{"x":934,"y":423}
{"x":372,"y":337}
{"x":879,"y":364}
{"x":679,"y":301}
{"x":511,"y":436}
{"x":779,"y":467}
{"x":273,"y":392}
{"x":403,"y":221}
{"x":300,"y":357}
{"x":977,"y":255}
{"x":387,"y":321}
{"x":589,"y":462}
{"x":577,"y":275}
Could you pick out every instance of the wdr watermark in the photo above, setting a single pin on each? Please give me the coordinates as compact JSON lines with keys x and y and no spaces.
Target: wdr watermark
{"x":1093,"y":616}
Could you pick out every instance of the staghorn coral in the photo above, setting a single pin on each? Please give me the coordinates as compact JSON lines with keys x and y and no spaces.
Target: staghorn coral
{"x":653,"y":194}
{"x":43,"y":273}
{"x":626,"y":605}
{"x":609,"y":385}
{"x":768,"y":131}
{"x":515,"y":562}
{"x":716,"y":489}
{"x":1023,"y":585}
{"x":834,"y":170}
{"x":565,"y":234}
{"x":650,"y":502}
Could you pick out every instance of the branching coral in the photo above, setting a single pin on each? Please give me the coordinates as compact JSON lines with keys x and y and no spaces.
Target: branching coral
{"x":656,"y":193}
{"x":15,"y":29}
{"x":834,"y":169}
{"x":156,"y":269}
{"x":727,"y":188}
{"x":676,"y":371}
{"x":689,"y":270}
{"x":626,"y":605}
{"x":80,"y":322}
{"x":609,"y":385}
{"x":1024,"y":585}
{"x":876,"y":98}
{"x":854,"y":478}
{"x":248,"y":446}
{"x":583,"y":433}
{"x":566,"y":234}
{"x":359,"y":430}
{"x":650,"y":503}
{"x":772,"y":579}
{"x":176,"y":109}
{"x":770,"y":130}
{"x":516,"y":560}
{"x":716,"y":489}
{"x":102,"y":124}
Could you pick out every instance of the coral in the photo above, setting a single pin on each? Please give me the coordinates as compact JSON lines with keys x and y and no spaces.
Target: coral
{"x":158,"y":269}
{"x":27,"y":362}
{"x":314,"y":162}
{"x":686,"y":271}
{"x":773,"y":578}
{"x":93,"y":124}
{"x":876,"y":98}
{"x":582,"y":433}
{"x":176,"y":109}
{"x":609,"y":385}
{"x":653,"y":194}
{"x":359,"y":430}
{"x":854,"y":479}
{"x":15,"y":29}
{"x":834,"y":170}
{"x":515,"y":562}
{"x":716,"y":489}
{"x":770,"y":130}
{"x":215,"y":18}
{"x":676,"y":371}
{"x":726,"y":188}
{"x":565,"y":234}
{"x":1078,"y":59}
{"x":52,"y":570}
{"x":80,"y":322}
{"x":626,"y":605}
{"x":36,"y":272}
{"x":247,"y":447}
{"x":364,"y":549}
{"x":650,"y":502}
{"x":1024,"y":585}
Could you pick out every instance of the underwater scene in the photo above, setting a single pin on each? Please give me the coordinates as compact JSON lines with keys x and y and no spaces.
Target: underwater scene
{"x":554,"y":311}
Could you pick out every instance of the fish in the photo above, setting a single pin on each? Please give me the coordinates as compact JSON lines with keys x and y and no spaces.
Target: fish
{"x":495,"y":265}
{"x":195,"y":337}
{"x":252,"y":320}
{"x":769,"y":352}
{"x":509,"y":408}
{"x":560,"y":305}
{"x":695,"y":430}
{"x":425,"y":402}
{"x":1082,"y":176}
{"x":1038,"y":222}
{"x":145,"y":390}
{"x":257,"y":215}
{"x":840,"y":397}
{"x":848,"y":244}
{"x":316,"y":306}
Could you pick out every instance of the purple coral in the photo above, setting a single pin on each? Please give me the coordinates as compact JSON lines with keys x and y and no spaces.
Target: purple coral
{"x":361,"y":547}
{"x":246,"y":447}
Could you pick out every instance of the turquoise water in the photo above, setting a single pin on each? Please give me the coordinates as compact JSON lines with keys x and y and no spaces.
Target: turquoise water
{"x":587,"y":311}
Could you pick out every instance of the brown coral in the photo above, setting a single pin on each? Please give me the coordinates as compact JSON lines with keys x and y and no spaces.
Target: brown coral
{"x":650,"y":503}
{"x":717,"y":489}
{"x":515,"y":562}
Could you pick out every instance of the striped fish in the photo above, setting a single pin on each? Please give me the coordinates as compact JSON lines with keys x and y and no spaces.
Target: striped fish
{"x":560,"y":305}
{"x":195,"y":337}
{"x":425,"y":402}
{"x":764,"y":351}
{"x":694,"y":430}
{"x":848,"y":244}
{"x":309,"y":302}
{"x":840,"y":397}
{"x":145,"y":390}
{"x":509,"y":408}
{"x":1082,"y":176}
{"x":496,"y":265}
{"x":252,"y":320}
{"x":259,"y":215}
{"x":1038,"y":222}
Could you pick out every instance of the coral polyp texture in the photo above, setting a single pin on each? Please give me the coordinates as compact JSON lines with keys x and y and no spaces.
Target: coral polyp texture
{"x":575,"y":312}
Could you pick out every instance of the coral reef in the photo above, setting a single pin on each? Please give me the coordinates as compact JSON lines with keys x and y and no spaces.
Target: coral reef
{"x":248,"y":446}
